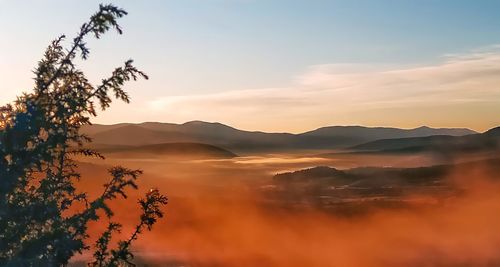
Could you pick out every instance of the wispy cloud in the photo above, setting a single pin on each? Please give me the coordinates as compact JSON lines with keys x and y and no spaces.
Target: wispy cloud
{"x":346,"y":94}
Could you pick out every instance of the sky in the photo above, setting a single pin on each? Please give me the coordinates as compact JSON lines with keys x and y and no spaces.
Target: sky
{"x":280,"y":66}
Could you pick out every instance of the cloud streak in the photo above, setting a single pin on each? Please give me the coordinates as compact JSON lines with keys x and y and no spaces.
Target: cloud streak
{"x":461,"y":91}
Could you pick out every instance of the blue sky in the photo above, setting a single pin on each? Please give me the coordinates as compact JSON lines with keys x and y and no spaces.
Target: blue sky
{"x":192,"y":47}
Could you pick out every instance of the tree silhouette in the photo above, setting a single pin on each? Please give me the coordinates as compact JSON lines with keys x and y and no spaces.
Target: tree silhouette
{"x":39,"y":138}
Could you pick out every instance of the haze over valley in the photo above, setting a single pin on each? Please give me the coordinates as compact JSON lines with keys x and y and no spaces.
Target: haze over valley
{"x":231,"y":190}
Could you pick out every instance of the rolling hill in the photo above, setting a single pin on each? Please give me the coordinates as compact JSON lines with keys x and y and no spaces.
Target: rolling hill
{"x":327,"y":178}
{"x":176,"y":150}
{"x":487,"y":141}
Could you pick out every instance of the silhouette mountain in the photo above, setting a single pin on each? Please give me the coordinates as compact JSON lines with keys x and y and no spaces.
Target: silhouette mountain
{"x":487,"y":141}
{"x":134,"y":135}
{"x":343,"y":136}
{"x":247,"y":141}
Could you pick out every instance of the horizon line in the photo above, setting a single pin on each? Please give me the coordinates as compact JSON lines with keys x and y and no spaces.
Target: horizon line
{"x":326,"y":126}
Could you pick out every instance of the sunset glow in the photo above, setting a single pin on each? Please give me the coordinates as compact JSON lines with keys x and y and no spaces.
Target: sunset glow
{"x":269,"y":133}
{"x":284,"y":66}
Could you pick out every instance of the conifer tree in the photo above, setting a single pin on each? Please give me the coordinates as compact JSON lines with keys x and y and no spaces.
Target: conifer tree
{"x":40,"y":135}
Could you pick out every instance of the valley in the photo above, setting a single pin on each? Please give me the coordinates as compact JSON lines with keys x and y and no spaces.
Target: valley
{"x":226,"y":201}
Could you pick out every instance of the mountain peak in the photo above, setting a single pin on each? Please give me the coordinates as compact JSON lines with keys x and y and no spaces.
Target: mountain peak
{"x":202,"y":123}
{"x":423,"y":127}
{"x":197,"y":122}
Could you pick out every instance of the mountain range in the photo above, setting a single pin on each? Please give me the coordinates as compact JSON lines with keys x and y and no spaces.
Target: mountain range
{"x":235,"y":140}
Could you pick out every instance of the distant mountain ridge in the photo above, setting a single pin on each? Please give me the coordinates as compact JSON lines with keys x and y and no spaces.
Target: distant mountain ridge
{"x":487,"y":141}
{"x":380,"y":132}
{"x":233,"y":139}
